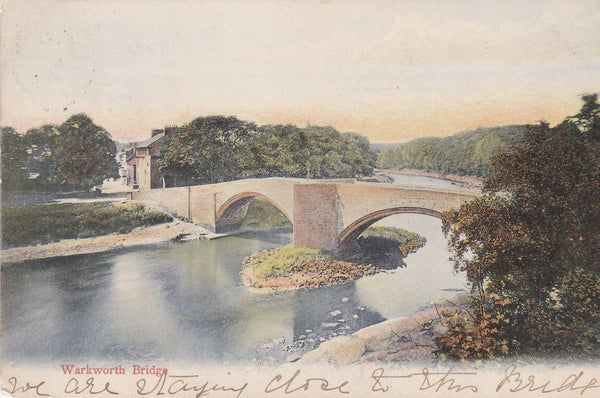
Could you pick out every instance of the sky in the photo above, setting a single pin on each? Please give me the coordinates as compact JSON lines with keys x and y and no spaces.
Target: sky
{"x":390,"y":70}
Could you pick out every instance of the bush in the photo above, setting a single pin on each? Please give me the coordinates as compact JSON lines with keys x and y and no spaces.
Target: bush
{"x":263,"y":214}
{"x":579,"y":295}
{"x":531,"y":246}
{"x":382,"y":238}
{"x":396,"y":234}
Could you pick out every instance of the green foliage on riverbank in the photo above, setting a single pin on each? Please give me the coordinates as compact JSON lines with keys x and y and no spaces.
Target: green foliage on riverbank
{"x":34,"y":224}
{"x":530,"y":247}
{"x":76,"y":155}
{"x":406,"y":241}
{"x":397,"y":234}
{"x":263,"y":214}
{"x":464,"y":153}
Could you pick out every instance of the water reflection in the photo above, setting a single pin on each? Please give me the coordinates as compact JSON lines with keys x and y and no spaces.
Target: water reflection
{"x":417,"y":181}
{"x":185,"y":301}
{"x":428,"y":275}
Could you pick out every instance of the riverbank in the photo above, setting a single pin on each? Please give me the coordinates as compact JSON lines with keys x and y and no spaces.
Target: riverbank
{"x":175,"y":230}
{"x":30,"y":225}
{"x":400,"y":340}
{"x":465,"y":181}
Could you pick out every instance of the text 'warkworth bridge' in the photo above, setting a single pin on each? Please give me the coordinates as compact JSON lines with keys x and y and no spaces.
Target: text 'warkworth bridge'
{"x":324,"y":213}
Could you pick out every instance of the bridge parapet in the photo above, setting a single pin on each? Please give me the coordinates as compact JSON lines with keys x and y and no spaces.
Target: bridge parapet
{"x":323,"y":212}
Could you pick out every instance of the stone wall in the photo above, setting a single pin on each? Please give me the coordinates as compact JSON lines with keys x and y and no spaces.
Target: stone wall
{"x":174,"y":200}
{"x":315,"y":215}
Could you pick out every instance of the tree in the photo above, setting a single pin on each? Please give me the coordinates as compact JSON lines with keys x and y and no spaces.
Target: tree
{"x":331,"y":154}
{"x":14,"y":160}
{"x":484,"y":151}
{"x":531,"y":244}
{"x":208,"y":149}
{"x":280,"y":151}
{"x":217,"y":148}
{"x":41,"y":160}
{"x":357,"y":154}
{"x":464,"y":153}
{"x":84,"y":154}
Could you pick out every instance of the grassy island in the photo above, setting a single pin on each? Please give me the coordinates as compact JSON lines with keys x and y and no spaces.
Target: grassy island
{"x":299,"y":266}
{"x":291,"y":267}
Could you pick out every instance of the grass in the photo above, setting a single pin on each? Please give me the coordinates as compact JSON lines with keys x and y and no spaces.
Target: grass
{"x":33,"y":224}
{"x":281,"y":261}
{"x":263,"y":214}
{"x":292,"y":267}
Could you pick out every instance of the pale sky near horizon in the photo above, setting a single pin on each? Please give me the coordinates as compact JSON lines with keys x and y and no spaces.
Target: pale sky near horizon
{"x":391,"y":70}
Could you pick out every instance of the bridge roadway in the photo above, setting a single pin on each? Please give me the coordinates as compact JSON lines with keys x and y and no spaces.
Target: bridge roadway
{"x":324,"y":213}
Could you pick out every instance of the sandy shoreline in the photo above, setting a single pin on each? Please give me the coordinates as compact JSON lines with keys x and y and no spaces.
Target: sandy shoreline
{"x":140,"y":236}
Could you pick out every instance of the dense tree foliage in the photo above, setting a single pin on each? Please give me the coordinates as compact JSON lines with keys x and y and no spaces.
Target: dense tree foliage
{"x":85,"y":154}
{"x":531,"y":246}
{"x":14,"y":160}
{"x":208,"y":149}
{"x":216,"y":148}
{"x":465,"y":153}
{"x":76,"y":155}
{"x":41,"y":160}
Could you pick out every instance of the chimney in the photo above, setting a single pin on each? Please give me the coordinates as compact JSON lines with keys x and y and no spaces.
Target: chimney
{"x":170,"y":129}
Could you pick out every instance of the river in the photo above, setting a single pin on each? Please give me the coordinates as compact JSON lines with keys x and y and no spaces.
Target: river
{"x":185,"y":302}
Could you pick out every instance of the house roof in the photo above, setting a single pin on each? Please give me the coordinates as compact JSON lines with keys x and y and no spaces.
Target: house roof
{"x":150,"y":141}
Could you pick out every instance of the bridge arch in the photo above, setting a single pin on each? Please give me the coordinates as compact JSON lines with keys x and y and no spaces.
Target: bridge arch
{"x":353,"y":231}
{"x":231,"y":205}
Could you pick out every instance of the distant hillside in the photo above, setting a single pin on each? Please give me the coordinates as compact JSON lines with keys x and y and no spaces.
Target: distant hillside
{"x":464,"y":153}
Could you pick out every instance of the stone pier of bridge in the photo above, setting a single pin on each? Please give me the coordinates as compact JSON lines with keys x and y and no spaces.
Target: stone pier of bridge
{"x":324,"y":213}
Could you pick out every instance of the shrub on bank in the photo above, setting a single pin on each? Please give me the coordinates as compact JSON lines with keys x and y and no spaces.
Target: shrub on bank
{"x":406,"y":241}
{"x":263,"y":214}
{"x":43,"y":223}
{"x":397,"y":234}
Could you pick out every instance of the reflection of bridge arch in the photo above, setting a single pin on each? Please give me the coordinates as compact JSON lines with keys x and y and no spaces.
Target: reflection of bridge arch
{"x":353,"y":231}
{"x":236,"y":202}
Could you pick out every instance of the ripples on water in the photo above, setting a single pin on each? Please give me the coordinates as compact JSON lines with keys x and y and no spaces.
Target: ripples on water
{"x":185,"y":301}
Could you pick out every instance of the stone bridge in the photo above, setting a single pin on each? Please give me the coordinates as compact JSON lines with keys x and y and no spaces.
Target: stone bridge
{"x":324,"y":213}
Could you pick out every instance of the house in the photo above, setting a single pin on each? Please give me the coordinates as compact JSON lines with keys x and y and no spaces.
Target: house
{"x":142,"y":171}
